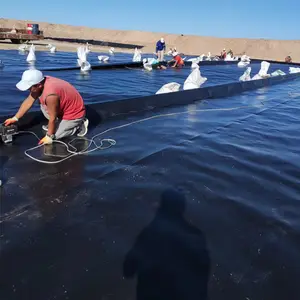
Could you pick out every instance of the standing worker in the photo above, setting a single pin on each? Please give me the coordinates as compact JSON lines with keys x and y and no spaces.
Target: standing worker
{"x":223,"y":54}
{"x":60,"y":103}
{"x":160,"y":48}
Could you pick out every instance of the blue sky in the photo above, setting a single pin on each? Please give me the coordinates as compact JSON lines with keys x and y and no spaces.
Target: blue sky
{"x":228,"y":18}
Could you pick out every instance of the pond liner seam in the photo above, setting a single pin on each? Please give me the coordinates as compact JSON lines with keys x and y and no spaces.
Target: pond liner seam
{"x":113,"y":142}
{"x":110,"y":66}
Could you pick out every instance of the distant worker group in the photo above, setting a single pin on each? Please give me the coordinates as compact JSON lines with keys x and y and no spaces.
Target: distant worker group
{"x":224,"y":54}
{"x":160,"y":52}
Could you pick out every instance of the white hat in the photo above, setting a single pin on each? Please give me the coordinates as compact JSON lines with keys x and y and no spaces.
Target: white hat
{"x":162,"y":40}
{"x":30,"y":78}
{"x":175,"y":53}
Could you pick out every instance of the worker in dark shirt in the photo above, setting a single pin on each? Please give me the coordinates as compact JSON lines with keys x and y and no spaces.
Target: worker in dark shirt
{"x":160,"y":49}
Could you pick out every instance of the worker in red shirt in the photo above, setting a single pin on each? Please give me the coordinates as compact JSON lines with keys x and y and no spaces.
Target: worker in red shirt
{"x":60,"y":103}
{"x":223,"y":54}
{"x":179,"y":62}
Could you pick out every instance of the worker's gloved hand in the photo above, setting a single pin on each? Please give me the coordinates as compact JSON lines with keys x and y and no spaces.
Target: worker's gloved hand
{"x":46,"y":140}
{"x":11,"y":121}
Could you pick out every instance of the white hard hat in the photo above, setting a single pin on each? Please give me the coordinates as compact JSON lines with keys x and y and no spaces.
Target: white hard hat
{"x":162,"y":40}
{"x":30,"y":78}
{"x":175,"y":53}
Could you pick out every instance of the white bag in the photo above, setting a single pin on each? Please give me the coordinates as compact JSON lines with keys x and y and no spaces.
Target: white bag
{"x":246,"y":76}
{"x":103,"y":58}
{"x":245,"y":58}
{"x":81,"y":55}
{"x":82,"y":59}
{"x":53,"y":49}
{"x":147,"y":66}
{"x":194,"y":80}
{"x":294,"y":70}
{"x":195,"y":65}
{"x":137,"y":57}
{"x":243,"y":64}
{"x":31,"y":55}
{"x":23,"y":48}
{"x":264,"y":69}
{"x":169,"y":88}
{"x":228,"y":57}
{"x":194,"y":59}
{"x":263,"y":72}
{"x":278,"y":73}
{"x":85,"y":67}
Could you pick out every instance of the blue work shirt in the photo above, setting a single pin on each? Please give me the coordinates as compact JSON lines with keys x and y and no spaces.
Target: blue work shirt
{"x":160,"y":46}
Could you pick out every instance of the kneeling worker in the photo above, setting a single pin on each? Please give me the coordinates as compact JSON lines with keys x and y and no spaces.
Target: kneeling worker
{"x":179,"y":62}
{"x":60,"y":103}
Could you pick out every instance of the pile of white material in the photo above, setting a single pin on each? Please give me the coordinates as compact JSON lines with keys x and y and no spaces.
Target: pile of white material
{"x":263,"y":72}
{"x":245,"y":61}
{"x":246,"y":76}
{"x":293,"y":70}
{"x":103,"y":58}
{"x":31,"y":58}
{"x":137,"y":57}
{"x":169,"y":88}
{"x":82,"y":59}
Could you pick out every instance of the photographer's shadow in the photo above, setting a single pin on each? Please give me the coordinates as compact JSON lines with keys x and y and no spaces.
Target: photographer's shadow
{"x":170,"y":257}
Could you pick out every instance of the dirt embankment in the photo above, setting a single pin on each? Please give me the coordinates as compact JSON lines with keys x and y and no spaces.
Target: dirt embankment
{"x":187,"y":44}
